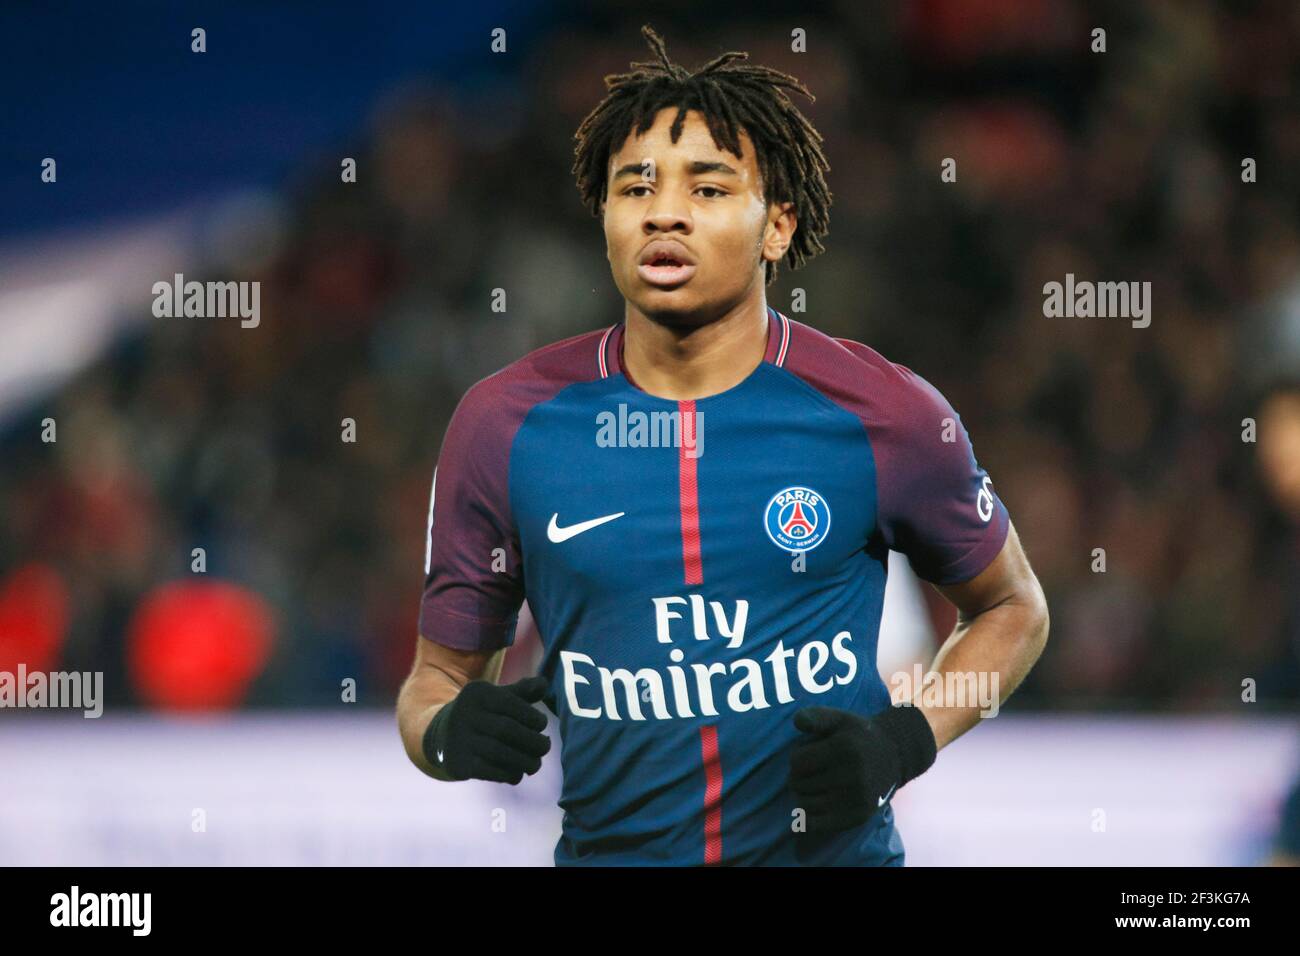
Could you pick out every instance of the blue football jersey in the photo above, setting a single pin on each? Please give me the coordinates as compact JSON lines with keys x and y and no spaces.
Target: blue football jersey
{"x":698,"y":572}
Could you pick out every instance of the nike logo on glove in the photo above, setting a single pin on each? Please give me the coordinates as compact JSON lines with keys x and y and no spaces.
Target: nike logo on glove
{"x":558,"y":534}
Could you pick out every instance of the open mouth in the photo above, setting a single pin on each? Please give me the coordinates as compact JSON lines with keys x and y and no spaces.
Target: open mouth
{"x":665,"y":269}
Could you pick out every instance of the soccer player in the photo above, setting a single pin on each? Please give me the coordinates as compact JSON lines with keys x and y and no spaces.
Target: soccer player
{"x":698,"y":504}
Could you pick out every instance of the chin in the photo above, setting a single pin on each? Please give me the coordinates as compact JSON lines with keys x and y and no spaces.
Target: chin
{"x":676,"y":308}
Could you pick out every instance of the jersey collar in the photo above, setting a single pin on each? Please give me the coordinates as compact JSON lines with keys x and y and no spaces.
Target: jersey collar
{"x":610,"y":350}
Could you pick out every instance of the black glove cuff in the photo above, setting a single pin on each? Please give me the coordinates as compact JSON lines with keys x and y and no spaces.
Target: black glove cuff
{"x":907,"y":727}
{"x":434,"y":738}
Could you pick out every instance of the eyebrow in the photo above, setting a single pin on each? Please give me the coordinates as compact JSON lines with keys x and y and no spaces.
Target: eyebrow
{"x":697,"y":168}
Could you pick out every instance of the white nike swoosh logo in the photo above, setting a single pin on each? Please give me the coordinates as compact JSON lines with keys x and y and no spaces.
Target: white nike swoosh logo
{"x":439,"y":756}
{"x":558,"y":534}
{"x":881,"y":801}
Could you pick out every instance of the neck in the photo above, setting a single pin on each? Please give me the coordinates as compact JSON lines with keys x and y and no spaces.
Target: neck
{"x":689,"y":364}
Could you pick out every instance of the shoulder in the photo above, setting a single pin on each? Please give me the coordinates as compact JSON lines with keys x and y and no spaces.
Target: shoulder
{"x":504,"y":398}
{"x":884,"y":394}
{"x":935,"y":503}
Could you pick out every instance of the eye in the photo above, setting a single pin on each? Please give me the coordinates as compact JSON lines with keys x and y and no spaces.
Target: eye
{"x":712,"y":189}
{"x":629,"y":190}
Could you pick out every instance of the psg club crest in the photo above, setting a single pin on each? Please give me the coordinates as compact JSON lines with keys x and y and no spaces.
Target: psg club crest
{"x":797,"y":519}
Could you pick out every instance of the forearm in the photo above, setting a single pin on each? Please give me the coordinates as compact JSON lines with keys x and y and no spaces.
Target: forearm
{"x":426,"y":691}
{"x":420,"y":699}
{"x":987,"y":654}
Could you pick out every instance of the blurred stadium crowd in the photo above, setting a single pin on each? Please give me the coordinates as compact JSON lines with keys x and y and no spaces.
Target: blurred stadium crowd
{"x":1116,"y":166}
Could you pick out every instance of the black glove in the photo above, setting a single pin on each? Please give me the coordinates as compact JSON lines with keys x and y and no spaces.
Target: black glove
{"x":490,"y":732}
{"x":847,"y":766}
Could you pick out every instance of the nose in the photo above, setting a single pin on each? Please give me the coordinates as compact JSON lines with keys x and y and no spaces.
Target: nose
{"x":666,"y":213}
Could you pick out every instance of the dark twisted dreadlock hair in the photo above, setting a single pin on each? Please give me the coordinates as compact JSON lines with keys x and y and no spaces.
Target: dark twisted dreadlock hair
{"x":730,"y":95}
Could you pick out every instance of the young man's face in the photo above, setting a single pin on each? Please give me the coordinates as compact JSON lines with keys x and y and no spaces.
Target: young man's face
{"x":686,"y":227}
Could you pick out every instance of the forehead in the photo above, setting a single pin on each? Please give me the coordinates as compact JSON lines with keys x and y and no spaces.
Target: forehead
{"x":695,"y":144}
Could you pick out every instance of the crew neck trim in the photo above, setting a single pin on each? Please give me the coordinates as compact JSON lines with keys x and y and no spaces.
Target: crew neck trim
{"x":610,"y":350}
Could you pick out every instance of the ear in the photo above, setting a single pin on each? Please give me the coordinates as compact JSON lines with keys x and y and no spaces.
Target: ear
{"x":779,"y":233}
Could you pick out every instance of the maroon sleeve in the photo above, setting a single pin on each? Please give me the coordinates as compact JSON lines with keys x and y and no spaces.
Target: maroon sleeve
{"x":473,"y":584}
{"x":935,"y":503}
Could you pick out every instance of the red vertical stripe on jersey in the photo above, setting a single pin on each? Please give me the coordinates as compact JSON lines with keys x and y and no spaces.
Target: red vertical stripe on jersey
{"x":688,"y":487}
{"x":712,"y":794}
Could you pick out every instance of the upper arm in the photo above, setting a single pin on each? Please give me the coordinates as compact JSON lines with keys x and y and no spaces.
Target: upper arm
{"x":473,"y":584}
{"x":934,"y":502}
{"x":1007,"y":578}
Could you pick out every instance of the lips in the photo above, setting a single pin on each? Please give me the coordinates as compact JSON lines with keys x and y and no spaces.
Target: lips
{"x":665,"y":263}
